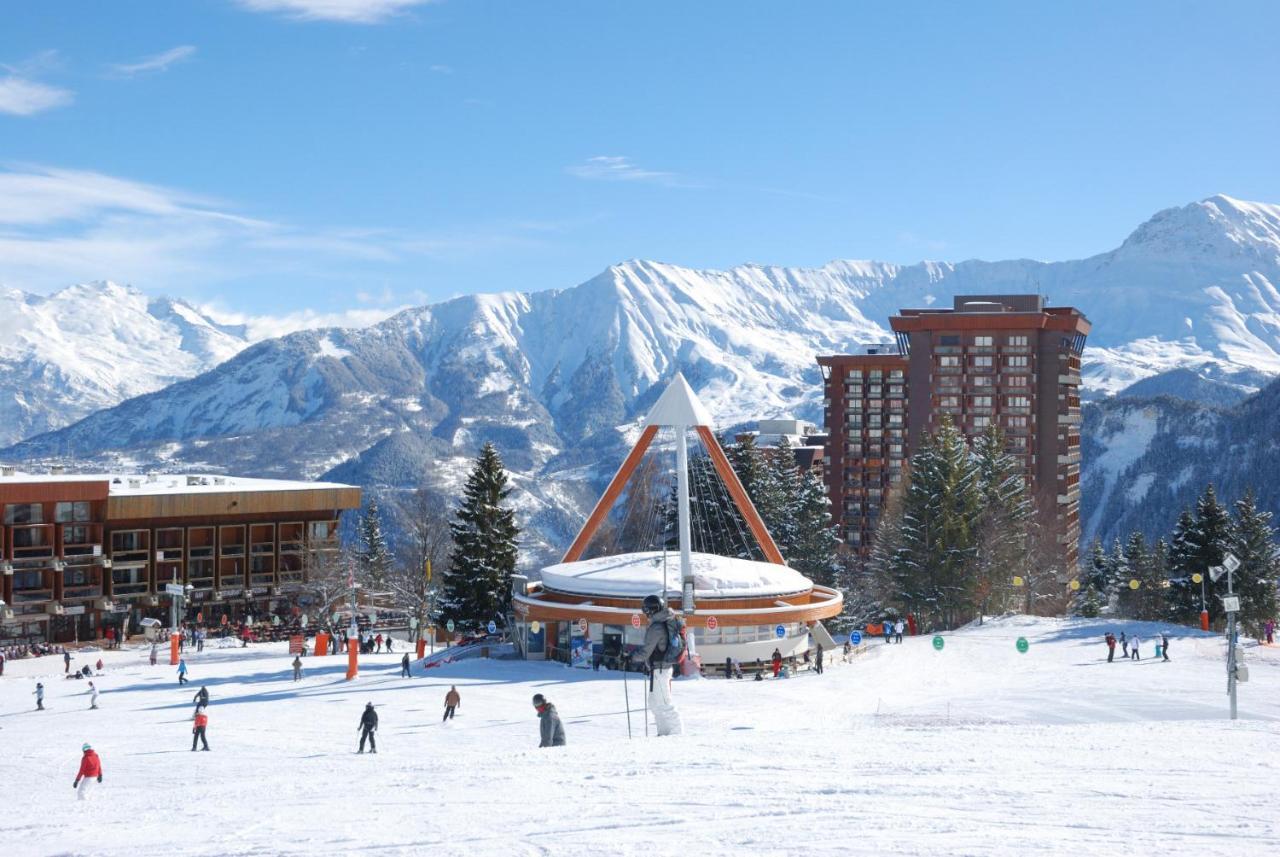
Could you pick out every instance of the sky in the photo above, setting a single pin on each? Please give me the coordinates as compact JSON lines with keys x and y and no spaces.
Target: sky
{"x":346,"y":157}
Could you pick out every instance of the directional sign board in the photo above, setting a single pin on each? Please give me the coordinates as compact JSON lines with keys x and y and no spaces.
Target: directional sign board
{"x":938,"y":642}
{"x":780,"y":631}
{"x":1231,"y":603}
{"x":173,"y":588}
{"x":712,"y":623}
{"x":1022,"y":645}
{"x":635,"y":620}
{"x":1216,"y":571}
{"x":855,"y":637}
{"x":1230,"y":563}
{"x":493,"y":627}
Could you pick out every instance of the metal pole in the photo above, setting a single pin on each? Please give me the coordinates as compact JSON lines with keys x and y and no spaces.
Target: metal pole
{"x":1231,"y":649}
{"x":682,"y":498}
{"x":626,"y":695}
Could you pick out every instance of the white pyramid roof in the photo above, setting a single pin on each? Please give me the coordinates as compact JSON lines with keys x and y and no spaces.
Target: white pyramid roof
{"x":678,"y":406}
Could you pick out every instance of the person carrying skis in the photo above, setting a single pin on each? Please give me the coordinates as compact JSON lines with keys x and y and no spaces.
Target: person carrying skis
{"x":368,"y":725}
{"x":182,"y":671}
{"x":1164,"y":646}
{"x":90,"y":772}
{"x":550,"y":729}
{"x":297,"y":668}
{"x":39,"y":692}
{"x":197,"y":731}
{"x":777,"y":662}
{"x":93,"y":696}
{"x":404,"y":666}
{"x":661,"y":652}
{"x":452,"y":700}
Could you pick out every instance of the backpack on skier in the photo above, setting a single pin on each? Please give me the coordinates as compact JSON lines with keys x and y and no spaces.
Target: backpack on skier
{"x":676,"y":649}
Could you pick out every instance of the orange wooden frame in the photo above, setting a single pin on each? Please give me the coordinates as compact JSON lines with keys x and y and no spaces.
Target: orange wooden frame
{"x":740,"y":497}
{"x":610,"y":496}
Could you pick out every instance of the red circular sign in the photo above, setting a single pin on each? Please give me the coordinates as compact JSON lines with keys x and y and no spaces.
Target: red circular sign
{"x":582,"y":625}
{"x":712,"y":623}
{"x":635,"y":620}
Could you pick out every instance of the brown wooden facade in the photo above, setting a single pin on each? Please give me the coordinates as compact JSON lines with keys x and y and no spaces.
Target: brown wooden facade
{"x":76,"y":557}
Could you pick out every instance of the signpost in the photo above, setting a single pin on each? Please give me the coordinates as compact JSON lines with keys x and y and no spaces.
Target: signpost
{"x":1074,"y":585}
{"x":938,"y":642}
{"x":712,"y":623}
{"x":635,"y":620}
{"x":493,"y":627}
{"x":1022,"y":645}
{"x":855,"y":638}
{"x":1231,"y":606}
{"x":780,"y":631}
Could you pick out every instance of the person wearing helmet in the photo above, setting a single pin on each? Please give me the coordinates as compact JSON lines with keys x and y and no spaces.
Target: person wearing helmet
{"x":660,"y":653}
{"x":549,"y":726}
{"x":90,"y":772}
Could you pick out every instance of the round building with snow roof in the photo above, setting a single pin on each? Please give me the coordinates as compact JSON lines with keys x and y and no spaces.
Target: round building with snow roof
{"x":587,"y":612}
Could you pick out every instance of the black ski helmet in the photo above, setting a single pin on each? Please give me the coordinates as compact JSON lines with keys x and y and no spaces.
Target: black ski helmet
{"x":652,"y":604}
{"x":539,"y":699}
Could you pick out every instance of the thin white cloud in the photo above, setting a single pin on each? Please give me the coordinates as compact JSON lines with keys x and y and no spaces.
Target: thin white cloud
{"x":22,"y":97}
{"x":259,"y":327}
{"x":158,"y":62}
{"x":442,"y":69}
{"x":346,"y":11}
{"x":619,"y":168}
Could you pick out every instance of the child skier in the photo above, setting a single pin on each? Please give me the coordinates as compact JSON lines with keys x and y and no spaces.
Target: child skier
{"x":39,"y":691}
{"x":182,"y":671}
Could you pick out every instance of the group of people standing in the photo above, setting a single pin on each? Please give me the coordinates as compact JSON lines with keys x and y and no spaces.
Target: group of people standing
{"x":1131,"y":647}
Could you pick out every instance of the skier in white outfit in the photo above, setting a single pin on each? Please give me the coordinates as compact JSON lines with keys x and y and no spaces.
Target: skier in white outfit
{"x":661,"y":657}
{"x":93,"y":696}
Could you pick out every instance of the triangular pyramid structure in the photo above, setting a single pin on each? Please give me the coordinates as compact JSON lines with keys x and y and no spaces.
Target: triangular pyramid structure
{"x":678,"y":407}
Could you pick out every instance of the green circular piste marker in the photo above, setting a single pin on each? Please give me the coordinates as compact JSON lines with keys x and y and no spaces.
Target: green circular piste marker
{"x":938,"y":642}
{"x":1022,"y":645}
{"x":449,"y":626}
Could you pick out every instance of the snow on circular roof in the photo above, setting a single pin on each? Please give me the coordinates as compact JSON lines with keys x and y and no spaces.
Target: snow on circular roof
{"x":635,"y":575}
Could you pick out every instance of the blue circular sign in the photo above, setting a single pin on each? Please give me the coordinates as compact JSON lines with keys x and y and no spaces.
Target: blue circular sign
{"x":855,"y":637}
{"x":781,"y":631}
{"x":493,"y":627}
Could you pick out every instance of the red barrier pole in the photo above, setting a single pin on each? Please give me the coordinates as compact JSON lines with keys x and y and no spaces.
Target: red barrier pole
{"x":1204,"y":620}
{"x":322,"y":643}
{"x":174,"y":637}
{"x":422,"y":648}
{"x":353,"y":653}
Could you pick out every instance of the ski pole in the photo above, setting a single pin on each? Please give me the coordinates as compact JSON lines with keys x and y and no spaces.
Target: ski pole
{"x":626,"y":694}
{"x":646,"y":709}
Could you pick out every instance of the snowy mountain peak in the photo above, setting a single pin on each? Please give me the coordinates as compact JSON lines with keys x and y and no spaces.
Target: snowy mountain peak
{"x":1213,"y":230}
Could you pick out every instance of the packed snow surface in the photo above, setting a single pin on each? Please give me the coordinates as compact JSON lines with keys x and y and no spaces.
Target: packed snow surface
{"x":974,"y":749}
{"x":635,"y":575}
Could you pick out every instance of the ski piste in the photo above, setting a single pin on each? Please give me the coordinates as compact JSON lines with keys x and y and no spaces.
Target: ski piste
{"x":960,"y":743}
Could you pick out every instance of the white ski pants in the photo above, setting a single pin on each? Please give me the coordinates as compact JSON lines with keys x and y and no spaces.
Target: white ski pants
{"x":665,"y":716}
{"x":86,"y":786}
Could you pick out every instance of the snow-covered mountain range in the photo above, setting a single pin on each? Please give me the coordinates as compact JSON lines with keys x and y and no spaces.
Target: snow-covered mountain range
{"x":551,"y":376}
{"x":91,"y":346}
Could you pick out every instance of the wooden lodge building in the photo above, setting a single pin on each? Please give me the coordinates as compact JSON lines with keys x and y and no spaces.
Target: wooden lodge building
{"x":79,"y":553}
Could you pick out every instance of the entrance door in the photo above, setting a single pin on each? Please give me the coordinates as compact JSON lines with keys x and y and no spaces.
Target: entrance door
{"x":613,"y":647}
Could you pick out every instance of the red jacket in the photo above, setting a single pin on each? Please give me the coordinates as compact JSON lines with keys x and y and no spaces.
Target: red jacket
{"x":202,"y":720}
{"x":90,"y":765}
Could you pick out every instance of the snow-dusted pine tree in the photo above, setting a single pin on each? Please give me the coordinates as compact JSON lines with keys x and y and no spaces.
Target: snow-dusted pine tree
{"x":477,"y":587}
{"x":1253,"y":543}
{"x":374,"y":559}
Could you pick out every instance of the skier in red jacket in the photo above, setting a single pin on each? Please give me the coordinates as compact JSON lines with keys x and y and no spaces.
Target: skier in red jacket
{"x":90,"y":772}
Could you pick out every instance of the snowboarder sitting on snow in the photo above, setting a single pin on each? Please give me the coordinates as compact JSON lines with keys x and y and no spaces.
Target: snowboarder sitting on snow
{"x":90,"y":771}
{"x":452,"y":700}
{"x":368,"y":725}
{"x":549,"y":726}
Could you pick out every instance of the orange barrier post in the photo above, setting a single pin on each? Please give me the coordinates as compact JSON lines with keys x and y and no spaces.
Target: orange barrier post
{"x":1204,"y":620}
{"x":353,"y":655}
{"x":322,"y":643}
{"x":174,"y":657}
{"x":422,"y":648}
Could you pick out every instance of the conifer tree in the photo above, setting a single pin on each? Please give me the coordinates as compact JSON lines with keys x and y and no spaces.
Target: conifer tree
{"x":1252,"y":542}
{"x":814,"y":552}
{"x":1209,"y":542}
{"x":1182,"y":598}
{"x":1135,"y":559}
{"x":477,"y":587}
{"x":1003,"y":522}
{"x":374,"y":557}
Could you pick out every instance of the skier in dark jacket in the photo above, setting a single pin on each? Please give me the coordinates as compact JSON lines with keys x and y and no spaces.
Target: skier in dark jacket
{"x":404,"y":666}
{"x":1111,"y":646}
{"x":200,"y":700}
{"x":368,"y":725}
{"x":818,"y":660}
{"x":659,"y":657}
{"x":66,"y":662}
{"x":552,"y":731}
{"x":1164,"y":646}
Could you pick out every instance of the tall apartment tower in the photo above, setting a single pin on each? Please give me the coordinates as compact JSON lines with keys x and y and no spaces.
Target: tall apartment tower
{"x":866,"y":402}
{"x":1005,"y":360}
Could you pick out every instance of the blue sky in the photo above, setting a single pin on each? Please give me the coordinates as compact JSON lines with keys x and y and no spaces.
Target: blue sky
{"x":273,"y":156}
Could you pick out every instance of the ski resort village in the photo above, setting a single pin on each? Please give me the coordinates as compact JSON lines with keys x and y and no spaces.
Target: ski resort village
{"x":465,"y":428}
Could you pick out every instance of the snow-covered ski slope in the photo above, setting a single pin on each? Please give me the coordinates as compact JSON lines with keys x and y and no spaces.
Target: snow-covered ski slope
{"x":976,"y":749}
